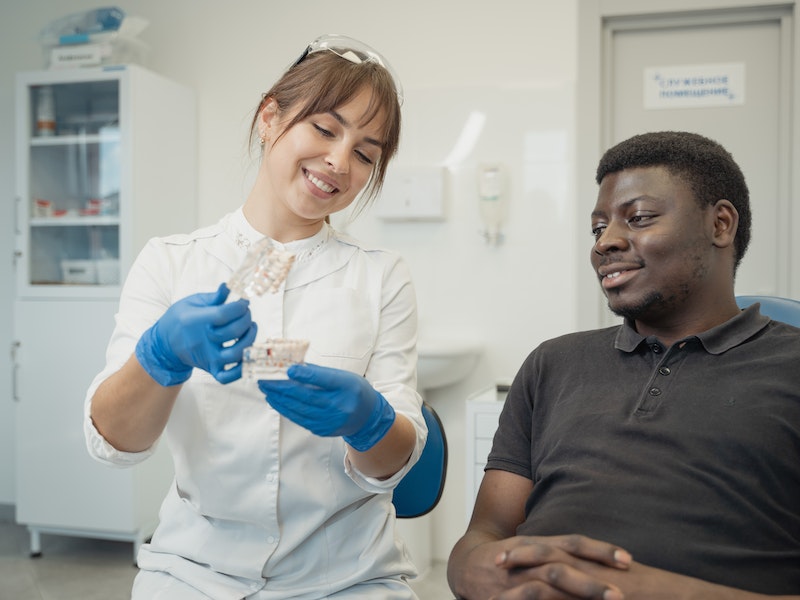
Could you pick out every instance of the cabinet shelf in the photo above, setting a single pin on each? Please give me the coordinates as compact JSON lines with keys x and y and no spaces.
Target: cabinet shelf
{"x":77,"y":139}
{"x":74,"y":221}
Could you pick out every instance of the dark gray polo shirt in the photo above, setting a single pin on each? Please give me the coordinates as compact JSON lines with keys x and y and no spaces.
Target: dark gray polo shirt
{"x":688,"y":457}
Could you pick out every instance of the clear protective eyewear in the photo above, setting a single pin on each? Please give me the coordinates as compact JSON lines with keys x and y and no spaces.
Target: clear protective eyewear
{"x":353,"y":50}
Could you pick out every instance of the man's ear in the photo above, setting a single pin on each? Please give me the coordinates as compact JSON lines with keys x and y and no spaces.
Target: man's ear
{"x":726,"y":223}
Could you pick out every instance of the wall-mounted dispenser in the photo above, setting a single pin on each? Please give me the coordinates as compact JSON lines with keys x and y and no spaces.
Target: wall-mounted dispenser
{"x":412,"y":194}
{"x":492,"y":200}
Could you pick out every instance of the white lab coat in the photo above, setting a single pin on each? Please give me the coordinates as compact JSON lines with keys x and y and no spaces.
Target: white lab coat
{"x":259,"y":503}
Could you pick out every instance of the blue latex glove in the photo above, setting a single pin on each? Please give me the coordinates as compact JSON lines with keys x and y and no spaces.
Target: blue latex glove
{"x":331,"y":402}
{"x":192,"y":333}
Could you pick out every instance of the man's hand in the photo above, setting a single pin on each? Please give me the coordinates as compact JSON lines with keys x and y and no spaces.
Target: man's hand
{"x":545,"y":568}
{"x":549,"y":567}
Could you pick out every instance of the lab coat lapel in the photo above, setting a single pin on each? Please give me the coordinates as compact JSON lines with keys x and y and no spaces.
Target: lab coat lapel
{"x":333,"y":256}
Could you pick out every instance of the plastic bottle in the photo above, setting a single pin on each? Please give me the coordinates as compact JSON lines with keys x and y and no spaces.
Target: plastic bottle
{"x":45,"y":112}
{"x":491,"y":201}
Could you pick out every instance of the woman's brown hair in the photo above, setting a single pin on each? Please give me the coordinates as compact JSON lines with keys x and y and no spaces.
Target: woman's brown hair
{"x":324,"y":81}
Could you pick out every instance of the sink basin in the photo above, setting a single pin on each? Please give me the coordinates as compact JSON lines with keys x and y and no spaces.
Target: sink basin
{"x":445,"y":362}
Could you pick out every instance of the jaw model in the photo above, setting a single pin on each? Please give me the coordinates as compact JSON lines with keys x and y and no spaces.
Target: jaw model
{"x":271,"y":358}
{"x":263,"y":270}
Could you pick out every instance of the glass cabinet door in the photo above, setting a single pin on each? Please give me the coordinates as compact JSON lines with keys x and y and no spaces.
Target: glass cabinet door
{"x":71,"y":204}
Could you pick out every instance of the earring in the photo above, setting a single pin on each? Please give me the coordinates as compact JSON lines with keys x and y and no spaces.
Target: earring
{"x":262,"y":140}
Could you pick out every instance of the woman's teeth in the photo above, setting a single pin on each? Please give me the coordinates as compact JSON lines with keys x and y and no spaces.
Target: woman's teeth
{"x":613,"y":275}
{"x":320,"y":184}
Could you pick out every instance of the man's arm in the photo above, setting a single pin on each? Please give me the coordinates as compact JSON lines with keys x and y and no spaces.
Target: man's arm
{"x":489,"y":559}
{"x":641,"y":582}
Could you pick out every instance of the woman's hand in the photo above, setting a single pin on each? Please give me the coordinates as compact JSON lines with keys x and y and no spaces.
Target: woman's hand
{"x":331,"y":402}
{"x":195,"y":332}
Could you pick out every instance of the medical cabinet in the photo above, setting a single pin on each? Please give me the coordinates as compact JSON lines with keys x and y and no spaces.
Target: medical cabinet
{"x":105,"y":160}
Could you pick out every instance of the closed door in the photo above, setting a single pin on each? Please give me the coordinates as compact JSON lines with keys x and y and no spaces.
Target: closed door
{"x":754,"y":45}
{"x":752,"y":130}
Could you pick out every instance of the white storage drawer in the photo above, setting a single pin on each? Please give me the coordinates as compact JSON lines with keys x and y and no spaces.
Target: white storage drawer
{"x":482,"y":448}
{"x":483,"y":413}
{"x":486,"y":424}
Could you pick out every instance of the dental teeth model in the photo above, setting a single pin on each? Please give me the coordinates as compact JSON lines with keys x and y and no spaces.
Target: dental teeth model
{"x":271,"y":358}
{"x":263,"y":270}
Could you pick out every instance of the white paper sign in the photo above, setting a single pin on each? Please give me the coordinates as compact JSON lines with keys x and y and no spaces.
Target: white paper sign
{"x":79,"y":55}
{"x":692,"y":86}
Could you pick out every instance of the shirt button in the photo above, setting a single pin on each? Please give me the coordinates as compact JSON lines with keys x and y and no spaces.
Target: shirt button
{"x":664,"y":370}
{"x":656,"y":348}
{"x":271,"y":540}
{"x":270,"y":477}
{"x":654,"y":391}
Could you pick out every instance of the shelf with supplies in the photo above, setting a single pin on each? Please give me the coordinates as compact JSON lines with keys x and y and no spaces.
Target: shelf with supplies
{"x":93,"y":181}
{"x":73,"y":150}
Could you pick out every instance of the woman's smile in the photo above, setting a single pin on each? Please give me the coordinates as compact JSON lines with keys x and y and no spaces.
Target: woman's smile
{"x":319,"y":184}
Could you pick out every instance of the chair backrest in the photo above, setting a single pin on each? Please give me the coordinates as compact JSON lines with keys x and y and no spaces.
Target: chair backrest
{"x":776,"y":308}
{"x":421,"y":488}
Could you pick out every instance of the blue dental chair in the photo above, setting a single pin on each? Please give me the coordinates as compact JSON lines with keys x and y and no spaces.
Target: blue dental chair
{"x":420,"y":490}
{"x":776,"y":308}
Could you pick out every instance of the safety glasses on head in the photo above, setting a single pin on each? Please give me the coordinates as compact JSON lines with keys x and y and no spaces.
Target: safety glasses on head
{"x":353,"y":50}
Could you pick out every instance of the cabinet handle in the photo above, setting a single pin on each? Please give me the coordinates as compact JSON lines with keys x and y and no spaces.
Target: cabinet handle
{"x":17,"y":204}
{"x":14,"y":369}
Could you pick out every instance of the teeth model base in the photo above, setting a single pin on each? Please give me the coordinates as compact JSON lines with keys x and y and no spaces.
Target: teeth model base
{"x":271,"y":358}
{"x":263,"y":270}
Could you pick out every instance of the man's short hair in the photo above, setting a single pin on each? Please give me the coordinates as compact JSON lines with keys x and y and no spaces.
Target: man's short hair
{"x":708,"y":168}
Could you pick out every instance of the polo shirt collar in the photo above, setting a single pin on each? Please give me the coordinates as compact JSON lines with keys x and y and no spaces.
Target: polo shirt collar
{"x":716,"y":340}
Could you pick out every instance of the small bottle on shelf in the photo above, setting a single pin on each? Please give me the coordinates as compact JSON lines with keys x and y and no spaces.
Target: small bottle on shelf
{"x":45,"y":112}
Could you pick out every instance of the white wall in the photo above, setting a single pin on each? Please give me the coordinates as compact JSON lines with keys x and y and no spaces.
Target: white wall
{"x":512,"y":60}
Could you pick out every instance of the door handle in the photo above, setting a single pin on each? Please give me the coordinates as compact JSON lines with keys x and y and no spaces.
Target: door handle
{"x":14,"y":370}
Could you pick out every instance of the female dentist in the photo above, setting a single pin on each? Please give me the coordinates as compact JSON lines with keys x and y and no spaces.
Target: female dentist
{"x":288,"y":497}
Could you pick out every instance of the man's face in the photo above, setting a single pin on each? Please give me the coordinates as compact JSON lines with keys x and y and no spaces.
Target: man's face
{"x":653,"y":243}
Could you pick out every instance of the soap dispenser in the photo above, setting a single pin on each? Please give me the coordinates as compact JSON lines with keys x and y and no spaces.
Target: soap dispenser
{"x":492,"y":201}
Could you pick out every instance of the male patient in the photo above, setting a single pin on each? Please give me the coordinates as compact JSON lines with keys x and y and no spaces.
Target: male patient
{"x":659,"y":458}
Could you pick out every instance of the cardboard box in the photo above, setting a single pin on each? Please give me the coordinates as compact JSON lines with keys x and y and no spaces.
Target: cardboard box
{"x":79,"y":272}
